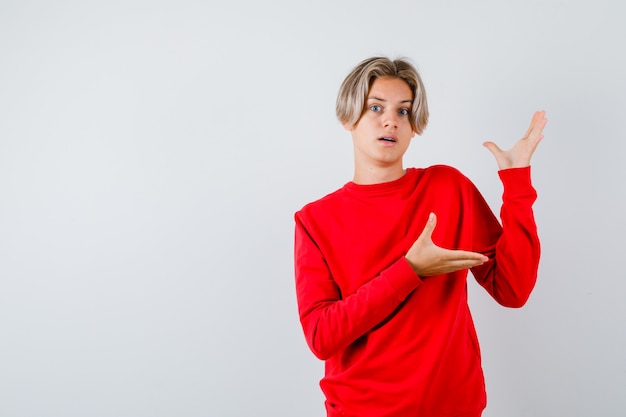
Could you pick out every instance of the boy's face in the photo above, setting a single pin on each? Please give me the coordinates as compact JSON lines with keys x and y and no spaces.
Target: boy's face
{"x":383,"y":133}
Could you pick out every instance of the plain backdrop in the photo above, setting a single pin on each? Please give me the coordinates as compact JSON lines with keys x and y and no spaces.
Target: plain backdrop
{"x":152,"y":154}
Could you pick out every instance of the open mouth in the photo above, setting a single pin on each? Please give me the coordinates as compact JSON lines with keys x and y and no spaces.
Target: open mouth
{"x":386,"y":139}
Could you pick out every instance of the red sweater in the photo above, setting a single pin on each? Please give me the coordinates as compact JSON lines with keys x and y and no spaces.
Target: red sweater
{"x":395,"y":344}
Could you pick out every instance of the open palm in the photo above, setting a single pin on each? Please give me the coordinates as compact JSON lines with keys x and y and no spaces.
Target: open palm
{"x":519,"y":155}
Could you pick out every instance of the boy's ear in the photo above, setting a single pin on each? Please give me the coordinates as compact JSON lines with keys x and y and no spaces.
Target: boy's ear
{"x":348,"y":127}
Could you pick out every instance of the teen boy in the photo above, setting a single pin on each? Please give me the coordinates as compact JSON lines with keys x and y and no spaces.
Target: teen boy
{"x":381,"y":263}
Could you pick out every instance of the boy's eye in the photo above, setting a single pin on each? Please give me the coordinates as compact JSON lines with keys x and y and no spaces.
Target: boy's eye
{"x":375,"y":107}
{"x":404,"y":112}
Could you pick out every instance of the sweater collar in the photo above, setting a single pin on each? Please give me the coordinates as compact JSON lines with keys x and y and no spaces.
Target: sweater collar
{"x":382,"y":188}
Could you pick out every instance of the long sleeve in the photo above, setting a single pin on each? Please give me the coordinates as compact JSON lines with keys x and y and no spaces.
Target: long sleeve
{"x":511,"y":273}
{"x":331,"y":321}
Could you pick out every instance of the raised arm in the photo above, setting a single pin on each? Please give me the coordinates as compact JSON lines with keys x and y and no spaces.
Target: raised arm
{"x":511,"y":272}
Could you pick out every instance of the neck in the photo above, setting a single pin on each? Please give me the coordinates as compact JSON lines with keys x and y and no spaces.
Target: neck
{"x":377,"y":175}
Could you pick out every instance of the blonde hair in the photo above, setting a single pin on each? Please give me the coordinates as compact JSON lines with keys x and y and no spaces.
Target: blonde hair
{"x":354,"y":90}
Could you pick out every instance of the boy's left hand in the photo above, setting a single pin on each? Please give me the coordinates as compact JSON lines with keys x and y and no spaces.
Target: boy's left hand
{"x":519,"y":155}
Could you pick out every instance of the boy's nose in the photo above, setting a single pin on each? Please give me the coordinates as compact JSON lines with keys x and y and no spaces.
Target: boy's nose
{"x":391,"y":120}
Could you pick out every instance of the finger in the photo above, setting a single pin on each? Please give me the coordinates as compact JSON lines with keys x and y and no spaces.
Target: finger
{"x":427,"y":233}
{"x":455,"y":265}
{"x":464,"y":256}
{"x":458,"y":265}
{"x":493,"y":148}
{"x":531,"y":126}
{"x":537,"y":124}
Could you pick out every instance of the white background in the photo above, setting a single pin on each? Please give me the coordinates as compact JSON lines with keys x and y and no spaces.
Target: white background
{"x":152,"y":154}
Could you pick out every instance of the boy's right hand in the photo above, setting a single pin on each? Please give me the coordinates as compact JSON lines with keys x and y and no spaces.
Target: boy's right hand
{"x":428,"y":259}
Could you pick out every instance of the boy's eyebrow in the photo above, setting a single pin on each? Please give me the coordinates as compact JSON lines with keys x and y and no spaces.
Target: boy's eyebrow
{"x":382,"y":99}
